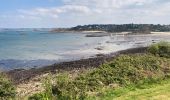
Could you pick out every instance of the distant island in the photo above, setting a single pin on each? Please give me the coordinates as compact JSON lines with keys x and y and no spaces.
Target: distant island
{"x":133,"y":28}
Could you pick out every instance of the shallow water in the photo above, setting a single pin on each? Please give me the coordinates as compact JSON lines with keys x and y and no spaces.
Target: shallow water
{"x":28,"y":48}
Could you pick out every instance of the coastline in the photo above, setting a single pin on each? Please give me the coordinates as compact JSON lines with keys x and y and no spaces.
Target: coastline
{"x":23,"y":75}
{"x":19,"y":76}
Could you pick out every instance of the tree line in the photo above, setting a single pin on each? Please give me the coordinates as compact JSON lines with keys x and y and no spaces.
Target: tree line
{"x":122,"y":28}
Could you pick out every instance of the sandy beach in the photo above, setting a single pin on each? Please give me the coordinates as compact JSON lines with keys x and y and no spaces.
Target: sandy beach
{"x":160,"y":33}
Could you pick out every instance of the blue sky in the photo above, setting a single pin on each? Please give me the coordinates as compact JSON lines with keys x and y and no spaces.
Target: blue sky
{"x":13,"y":5}
{"x":67,"y":13}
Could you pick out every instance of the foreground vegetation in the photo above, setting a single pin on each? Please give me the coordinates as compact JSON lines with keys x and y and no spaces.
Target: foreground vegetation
{"x":7,"y":89}
{"x":125,"y":71}
{"x":137,"y":76}
{"x":158,"y":90}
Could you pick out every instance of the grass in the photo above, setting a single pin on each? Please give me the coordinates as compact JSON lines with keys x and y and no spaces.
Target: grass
{"x":154,"y":91}
{"x":157,"y":92}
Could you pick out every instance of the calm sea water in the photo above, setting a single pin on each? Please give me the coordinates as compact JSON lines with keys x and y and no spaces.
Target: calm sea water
{"x":28,"y":48}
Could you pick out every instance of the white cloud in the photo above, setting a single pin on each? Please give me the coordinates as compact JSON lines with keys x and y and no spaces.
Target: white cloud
{"x":56,"y":11}
{"x":107,"y":3}
{"x":83,"y":7}
{"x":73,"y":12}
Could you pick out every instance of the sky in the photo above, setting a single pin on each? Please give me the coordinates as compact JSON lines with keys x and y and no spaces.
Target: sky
{"x":68,"y":13}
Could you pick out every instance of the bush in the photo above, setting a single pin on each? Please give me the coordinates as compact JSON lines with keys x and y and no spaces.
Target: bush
{"x":67,"y":89}
{"x":126,"y":69}
{"x":63,"y":89}
{"x":47,"y":94}
{"x":38,"y":96}
{"x":161,"y":49}
{"x":122,"y":71}
{"x":7,"y":89}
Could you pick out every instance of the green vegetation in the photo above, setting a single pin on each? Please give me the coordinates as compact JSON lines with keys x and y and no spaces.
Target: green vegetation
{"x":161,"y":49}
{"x":137,"y":28}
{"x":116,"y":78}
{"x":7,"y":89}
{"x":158,"y":90}
{"x":47,"y":94}
{"x":130,"y":77}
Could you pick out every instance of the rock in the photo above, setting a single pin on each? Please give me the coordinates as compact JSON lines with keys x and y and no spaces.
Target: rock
{"x":100,"y":55}
{"x":114,"y":85}
{"x":99,"y":48}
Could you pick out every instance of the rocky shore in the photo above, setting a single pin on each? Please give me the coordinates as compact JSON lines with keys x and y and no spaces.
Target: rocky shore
{"x":19,"y":76}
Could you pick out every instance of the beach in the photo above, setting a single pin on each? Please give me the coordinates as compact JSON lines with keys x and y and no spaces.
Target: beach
{"x":21,"y":75}
{"x":28,"y":81}
{"x":47,"y":56}
{"x":37,"y":49}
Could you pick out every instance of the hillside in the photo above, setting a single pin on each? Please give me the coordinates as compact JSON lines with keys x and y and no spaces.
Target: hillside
{"x":134,"y":28}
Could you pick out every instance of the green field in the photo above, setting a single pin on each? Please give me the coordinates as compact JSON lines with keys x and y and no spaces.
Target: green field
{"x":154,"y":91}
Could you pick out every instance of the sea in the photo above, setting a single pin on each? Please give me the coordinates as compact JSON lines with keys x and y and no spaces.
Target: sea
{"x":30,"y":48}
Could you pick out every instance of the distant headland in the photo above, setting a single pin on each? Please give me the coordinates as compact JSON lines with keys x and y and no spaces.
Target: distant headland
{"x":133,"y":28}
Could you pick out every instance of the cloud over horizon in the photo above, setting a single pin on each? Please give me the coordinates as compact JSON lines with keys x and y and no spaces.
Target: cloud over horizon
{"x":75,"y":12}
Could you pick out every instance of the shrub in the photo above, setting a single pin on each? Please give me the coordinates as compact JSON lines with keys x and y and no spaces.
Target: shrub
{"x":161,"y":49}
{"x":122,"y":71}
{"x":7,"y":89}
{"x":67,"y":89}
{"x":47,"y":94}
{"x":38,"y":96}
